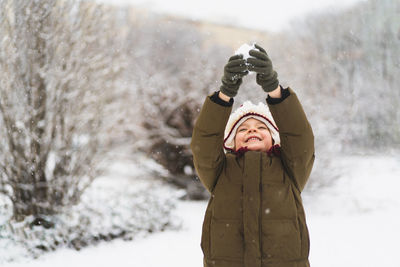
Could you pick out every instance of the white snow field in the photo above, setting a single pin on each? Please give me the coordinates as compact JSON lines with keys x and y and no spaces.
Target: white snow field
{"x":352,"y":223}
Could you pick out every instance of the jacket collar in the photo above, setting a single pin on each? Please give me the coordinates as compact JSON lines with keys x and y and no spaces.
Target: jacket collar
{"x":275,"y":150}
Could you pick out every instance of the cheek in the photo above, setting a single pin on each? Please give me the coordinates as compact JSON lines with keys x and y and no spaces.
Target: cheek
{"x":238,"y":139}
{"x":268,"y":137}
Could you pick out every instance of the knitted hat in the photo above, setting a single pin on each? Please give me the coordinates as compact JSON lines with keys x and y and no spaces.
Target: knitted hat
{"x":246,"y":111}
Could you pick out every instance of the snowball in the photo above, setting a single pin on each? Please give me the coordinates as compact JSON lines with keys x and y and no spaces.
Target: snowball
{"x":244,"y":50}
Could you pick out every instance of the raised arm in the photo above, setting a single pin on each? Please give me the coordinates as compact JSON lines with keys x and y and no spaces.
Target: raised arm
{"x":207,"y":142}
{"x":297,"y":139}
{"x":208,"y":132}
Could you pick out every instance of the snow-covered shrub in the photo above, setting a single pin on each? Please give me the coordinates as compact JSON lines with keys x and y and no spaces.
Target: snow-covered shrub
{"x":112,"y":207}
{"x":58,"y":64}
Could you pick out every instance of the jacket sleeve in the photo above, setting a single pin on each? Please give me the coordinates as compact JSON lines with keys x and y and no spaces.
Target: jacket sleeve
{"x":297,"y":139}
{"x":207,"y":142}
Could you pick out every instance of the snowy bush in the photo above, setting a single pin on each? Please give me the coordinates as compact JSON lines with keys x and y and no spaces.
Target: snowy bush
{"x":111,"y":208}
{"x":58,"y":64}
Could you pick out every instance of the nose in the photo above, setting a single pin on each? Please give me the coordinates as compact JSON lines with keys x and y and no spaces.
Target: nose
{"x":252,"y":129}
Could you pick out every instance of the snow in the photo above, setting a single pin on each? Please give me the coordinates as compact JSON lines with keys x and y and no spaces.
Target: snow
{"x":170,"y":248}
{"x":126,"y":202}
{"x":369,"y":185}
{"x":353,"y":223}
{"x":244,"y":50}
{"x":355,"y":240}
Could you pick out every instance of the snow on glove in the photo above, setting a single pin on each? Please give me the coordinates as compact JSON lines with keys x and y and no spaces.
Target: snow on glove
{"x":260,"y":63}
{"x":234,"y":71}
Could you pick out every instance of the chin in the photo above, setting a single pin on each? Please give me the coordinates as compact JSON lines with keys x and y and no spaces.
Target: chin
{"x":256,"y":148}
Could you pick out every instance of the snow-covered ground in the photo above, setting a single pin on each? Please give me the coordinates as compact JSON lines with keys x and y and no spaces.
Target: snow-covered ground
{"x":170,"y":248}
{"x":353,"y":223}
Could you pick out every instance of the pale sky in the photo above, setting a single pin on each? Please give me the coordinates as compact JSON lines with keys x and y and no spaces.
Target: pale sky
{"x":258,"y":14}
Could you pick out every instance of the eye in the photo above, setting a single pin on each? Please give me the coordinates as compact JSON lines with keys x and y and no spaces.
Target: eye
{"x":242,"y":130}
{"x":262,"y":127}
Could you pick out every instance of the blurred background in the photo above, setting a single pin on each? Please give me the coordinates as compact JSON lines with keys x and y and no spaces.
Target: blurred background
{"x":98,"y":101}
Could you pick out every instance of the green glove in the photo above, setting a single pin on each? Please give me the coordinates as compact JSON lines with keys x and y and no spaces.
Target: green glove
{"x":260,"y":63}
{"x":234,"y":71}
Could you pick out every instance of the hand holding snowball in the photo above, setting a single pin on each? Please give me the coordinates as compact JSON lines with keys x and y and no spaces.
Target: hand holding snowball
{"x":260,"y":63}
{"x":234,"y":71}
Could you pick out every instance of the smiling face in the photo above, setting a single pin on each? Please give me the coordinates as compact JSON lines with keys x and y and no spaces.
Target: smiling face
{"x":254,"y":135}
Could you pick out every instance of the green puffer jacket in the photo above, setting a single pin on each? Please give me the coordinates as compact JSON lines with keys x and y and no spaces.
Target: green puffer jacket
{"x":255,"y":216}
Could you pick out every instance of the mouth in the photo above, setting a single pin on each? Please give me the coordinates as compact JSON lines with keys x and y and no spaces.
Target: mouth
{"x":253,"y":138}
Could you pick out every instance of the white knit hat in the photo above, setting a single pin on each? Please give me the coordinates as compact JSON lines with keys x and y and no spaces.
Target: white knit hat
{"x":246,"y":111}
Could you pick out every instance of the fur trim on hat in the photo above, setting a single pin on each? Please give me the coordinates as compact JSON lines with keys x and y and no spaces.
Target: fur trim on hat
{"x":246,"y":111}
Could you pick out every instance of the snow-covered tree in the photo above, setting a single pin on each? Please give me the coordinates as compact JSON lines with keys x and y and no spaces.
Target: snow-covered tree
{"x":346,"y":63}
{"x":57,"y":69}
